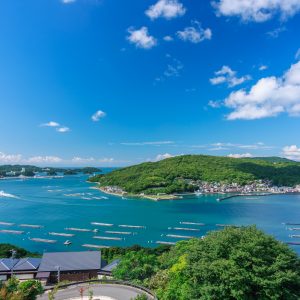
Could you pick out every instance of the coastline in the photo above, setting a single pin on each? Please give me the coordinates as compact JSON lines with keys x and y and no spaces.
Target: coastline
{"x":180,"y":196}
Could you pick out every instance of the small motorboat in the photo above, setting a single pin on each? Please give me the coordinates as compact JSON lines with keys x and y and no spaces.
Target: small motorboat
{"x":67,"y":243}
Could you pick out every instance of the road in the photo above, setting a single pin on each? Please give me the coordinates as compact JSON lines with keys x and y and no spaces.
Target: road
{"x":100,"y":292}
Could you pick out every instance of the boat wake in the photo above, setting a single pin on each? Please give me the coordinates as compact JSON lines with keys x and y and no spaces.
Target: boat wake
{"x":7,"y":195}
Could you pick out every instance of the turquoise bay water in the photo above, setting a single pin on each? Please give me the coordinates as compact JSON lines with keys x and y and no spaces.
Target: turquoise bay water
{"x":70,"y":202}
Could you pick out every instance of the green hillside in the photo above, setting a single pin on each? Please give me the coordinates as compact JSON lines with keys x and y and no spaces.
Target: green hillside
{"x":169,"y":175}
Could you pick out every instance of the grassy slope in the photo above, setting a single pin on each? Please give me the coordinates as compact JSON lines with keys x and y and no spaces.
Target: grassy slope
{"x":168,"y":175}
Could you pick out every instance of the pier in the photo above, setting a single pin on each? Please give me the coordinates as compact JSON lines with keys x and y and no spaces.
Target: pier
{"x":78,"y":229}
{"x":11,"y":231}
{"x":31,"y":226}
{"x":192,"y":223}
{"x":119,"y":232}
{"x":102,"y":224}
{"x":107,"y":238}
{"x":43,"y":240}
{"x":7,"y":224}
{"x":184,"y":228}
{"x":62,"y":234}
{"x":95,"y":246}
{"x":180,"y":236}
{"x":165,"y":243}
{"x":133,"y":226}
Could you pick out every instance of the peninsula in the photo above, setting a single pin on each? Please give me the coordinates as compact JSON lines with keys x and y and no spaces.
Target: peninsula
{"x":168,"y":178}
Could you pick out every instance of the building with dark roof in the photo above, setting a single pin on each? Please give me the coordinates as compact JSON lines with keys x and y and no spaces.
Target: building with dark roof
{"x":22,"y":268}
{"x":57,"y":266}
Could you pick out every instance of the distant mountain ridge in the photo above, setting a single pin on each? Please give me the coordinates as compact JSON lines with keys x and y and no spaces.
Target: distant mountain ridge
{"x":175,"y":174}
{"x":274,"y":159}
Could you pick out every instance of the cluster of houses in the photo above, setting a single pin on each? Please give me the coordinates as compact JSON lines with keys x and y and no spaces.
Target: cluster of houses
{"x":54,"y":267}
{"x":258,"y":186}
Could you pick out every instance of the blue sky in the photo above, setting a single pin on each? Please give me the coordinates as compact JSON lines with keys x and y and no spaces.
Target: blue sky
{"x":114,"y":83}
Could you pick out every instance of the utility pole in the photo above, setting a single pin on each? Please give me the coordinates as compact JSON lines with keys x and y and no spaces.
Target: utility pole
{"x":58,"y":273}
{"x":13,"y":255}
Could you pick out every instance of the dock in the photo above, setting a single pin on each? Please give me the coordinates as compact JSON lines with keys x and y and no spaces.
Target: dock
{"x":7,"y":224}
{"x":184,"y":228}
{"x":78,"y":229}
{"x":31,"y":226}
{"x":107,"y":238}
{"x":43,"y":240}
{"x":11,"y":231}
{"x":102,"y":224}
{"x":62,"y":234}
{"x":192,"y":223}
{"x":119,"y":232}
{"x":180,"y":236}
{"x":94,"y":246}
{"x":133,"y":226}
{"x":165,"y":243}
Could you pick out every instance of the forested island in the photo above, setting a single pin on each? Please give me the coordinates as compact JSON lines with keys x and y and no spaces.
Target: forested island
{"x":7,"y":171}
{"x":203,"y":174}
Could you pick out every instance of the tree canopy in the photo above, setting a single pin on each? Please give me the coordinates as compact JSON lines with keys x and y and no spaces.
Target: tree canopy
{"x":173,"y":174}
{"x":235,"y":263}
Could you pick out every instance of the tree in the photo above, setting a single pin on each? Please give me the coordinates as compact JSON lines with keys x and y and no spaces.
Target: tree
{"x":235,"y":263}
{"x":136,"y":266}
{"x":30,"y":289}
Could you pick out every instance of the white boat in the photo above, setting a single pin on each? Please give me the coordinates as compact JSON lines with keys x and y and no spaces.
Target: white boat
{"x":67,"y":243}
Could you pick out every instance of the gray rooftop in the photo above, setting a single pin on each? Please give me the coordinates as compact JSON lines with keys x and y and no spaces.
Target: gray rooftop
{"x":111,"y":266}
{"x":19,"y":264}
{"x":70,"y":261}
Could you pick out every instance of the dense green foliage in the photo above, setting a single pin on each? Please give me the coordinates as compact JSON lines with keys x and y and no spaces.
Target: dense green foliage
{"x":170,"y":175}
{"x":15,"y":290}
{"x":235,"y":263}
{"x":31,"y":170}
{"x":5,"y":251}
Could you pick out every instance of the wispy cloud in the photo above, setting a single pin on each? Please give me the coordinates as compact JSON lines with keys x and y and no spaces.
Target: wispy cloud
{"x":10,"y":158}
{"x":276,"y":32}
{"x":173,"y":69}
{"x":99,"y":114}
{"x":263,"y":67}
{"x":44,"y":159}
{"x":50,"y":124}
{"x":228,"y":76}
{"x":291,"y":152}
{"x":68,"y":1}
{"x":241,"y":155}
{"x":163,"y":156}
{"x":167,"y":9}
{"x":195,"y":33}
{"x":256,"y":10}
{"x":154,"y":143}
{"x":63,"y":129}
{"x":141,"y":38}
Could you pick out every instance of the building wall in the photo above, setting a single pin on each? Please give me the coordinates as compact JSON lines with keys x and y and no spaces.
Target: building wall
{"x":73,"y":276}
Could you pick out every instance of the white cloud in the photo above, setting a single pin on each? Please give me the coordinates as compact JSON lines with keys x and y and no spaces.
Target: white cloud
{"x":173,"y":69}
{"x":263,"y":67}
{"x":269,"y":97}
{"x":163,"y":156}
{"x":292,"y":152}
{"x":68,"y":1}
{"x":63,"y":129}
{"x":214,"y":104}
{"x":243,"y":155}
{"x":257,"y":10}
{"x":10,"y":158}
{"x":168,"y":38}
{"x":297,"y":55}
{"x":99,"y":114}
{"x":167,"y":9}
{"x":50,"y":124}
{"x":227,"y":75}
{"x":44,"y":159}
{"x":195,"y":33}
{"x":80,"y":160}
{"x":276,"y":32}
{"x":155,"y":143}
{"x":141,"y":38}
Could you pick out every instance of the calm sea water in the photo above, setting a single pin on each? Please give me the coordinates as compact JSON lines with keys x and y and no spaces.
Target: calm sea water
{"x":71,"y":202}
